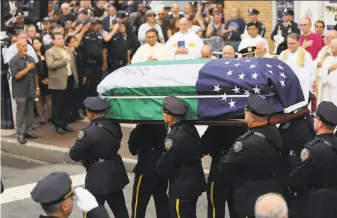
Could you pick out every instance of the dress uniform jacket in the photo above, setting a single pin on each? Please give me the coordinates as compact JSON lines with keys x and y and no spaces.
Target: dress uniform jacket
{"x":254,"y":164}
{"x":97,"y":148}
{"x":292,"y":27}
{"x":182,"y":162}
{"x":315,"y":179}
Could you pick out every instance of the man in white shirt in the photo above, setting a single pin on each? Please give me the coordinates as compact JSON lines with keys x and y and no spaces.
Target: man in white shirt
{"x":152,"y":50}
{"x":206,"y":52}
{"x":328,"y":76}
{"x":253,"y":38}
{"x":261,"y":50}
{"x":185,"y":44}
{"x":150,"y":23}
{"x":228,"y":52}
{"x":300,"y":62}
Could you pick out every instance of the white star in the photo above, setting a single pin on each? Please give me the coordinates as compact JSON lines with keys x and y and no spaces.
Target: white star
{"x":224,"y":97}
{"x":256,"y":90}
{"x":216,"y":88}
{"x":280,"y":67}
{"x":247,"y":61}
{"x":242,"y":76}
{"x":271,"y":72}
{"x":227,"y":62}
{"x":247,"y":92}
{"x":254,"y":76}
{"x":229,"y":73}
{"x":238,"y":64}
{"x":252,"y":66}
{"x":282,"y":75}
{"x":283,"y":83}
{"x":236,"y":90}
{"x":232,"y":103}
{"x":268,"y":65}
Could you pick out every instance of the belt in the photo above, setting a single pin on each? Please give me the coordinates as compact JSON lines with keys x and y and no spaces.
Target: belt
{"x":117,"y":61}
{"x":94,"y":61}
{"x":99,"y":160}
{"x":320,"y":187}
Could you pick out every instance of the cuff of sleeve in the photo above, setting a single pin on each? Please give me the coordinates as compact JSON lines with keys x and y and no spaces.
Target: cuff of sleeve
{"x":98,"y":212}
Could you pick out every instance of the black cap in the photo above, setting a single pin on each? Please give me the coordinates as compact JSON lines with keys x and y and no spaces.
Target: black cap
{"x":259,"y":106}
{"x":288,"y":12}
{"x":52,"y":189}
{"x":174,"y":106}
{"x":327,"y":113}
{"x":19,"y":13}
{"x":248,"y":52}
{"x":95,"y":104}
{"x":47,"y":19}
{"x":253,"y":11}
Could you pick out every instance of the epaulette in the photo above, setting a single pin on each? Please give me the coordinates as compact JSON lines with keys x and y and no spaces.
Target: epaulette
{"x":247,"y":134}
{"x":314,"y":141}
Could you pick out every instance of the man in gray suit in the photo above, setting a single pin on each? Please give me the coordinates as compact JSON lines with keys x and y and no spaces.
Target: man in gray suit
{"x":62,"y":79}
{"x":25,"y":88}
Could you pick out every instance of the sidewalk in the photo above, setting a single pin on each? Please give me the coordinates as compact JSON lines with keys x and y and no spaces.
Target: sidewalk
{"x":53,"y":148}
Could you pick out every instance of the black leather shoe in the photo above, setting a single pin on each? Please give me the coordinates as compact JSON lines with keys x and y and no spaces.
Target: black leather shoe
{"x":31,"y":136}
{"x":21,"y":139}
{"x":67,"y":129}
{"x":60,"y":131}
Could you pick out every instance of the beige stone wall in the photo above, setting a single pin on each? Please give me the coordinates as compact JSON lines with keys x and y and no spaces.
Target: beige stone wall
{"x":266,"y":14}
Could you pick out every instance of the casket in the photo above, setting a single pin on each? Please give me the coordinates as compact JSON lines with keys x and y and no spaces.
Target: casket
{"x":214,"y":89}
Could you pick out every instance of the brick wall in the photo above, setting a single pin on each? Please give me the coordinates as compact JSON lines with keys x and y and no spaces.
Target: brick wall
{"x":266,"y":14}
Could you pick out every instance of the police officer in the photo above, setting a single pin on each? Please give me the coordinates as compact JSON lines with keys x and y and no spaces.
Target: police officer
{"x":254,"y":163}
{"x":283,"y":29}
{"x":216,"y":142}
{"x":181,"y":162}
{"x":16,"y":23}
{"x":253,"y":16}
{"x":117,"y":48}
{"x":315,"y":177}
{"x":94,"y":55}
{"x":147,"y":142}
{"x":97,"y":148}
{"x":55,"y":194}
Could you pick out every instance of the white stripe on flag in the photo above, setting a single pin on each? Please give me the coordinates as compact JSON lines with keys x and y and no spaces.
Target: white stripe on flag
{"x":183,"y":96}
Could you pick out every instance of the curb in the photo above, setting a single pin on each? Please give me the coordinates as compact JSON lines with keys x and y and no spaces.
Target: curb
{"x":50,"y":153}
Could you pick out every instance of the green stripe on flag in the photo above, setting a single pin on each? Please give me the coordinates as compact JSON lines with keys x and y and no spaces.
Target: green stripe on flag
{"x":148,"y":108}
{"x":171,"y":62}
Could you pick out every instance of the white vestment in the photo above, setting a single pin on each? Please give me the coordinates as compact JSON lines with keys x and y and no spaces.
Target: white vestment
{"x":158,"y":51}
{"x":329,"y":81}
{"x":190,"y":40}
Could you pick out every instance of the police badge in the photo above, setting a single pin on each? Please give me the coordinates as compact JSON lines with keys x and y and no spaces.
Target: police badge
{"x":168,"y":144}
{"x":285,"y":125}
{"x":305,"y":154}
{"x":80,"y":134}
{"x":238,"y":145}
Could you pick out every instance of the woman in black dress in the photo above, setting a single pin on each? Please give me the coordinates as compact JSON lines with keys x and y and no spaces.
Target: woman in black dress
{"x":41,"y":66}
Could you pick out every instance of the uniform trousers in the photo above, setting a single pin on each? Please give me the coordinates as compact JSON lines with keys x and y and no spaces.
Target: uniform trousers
{"x":61,"y":104}
{"x":217,"y":195}
{"x":116,"y":203}
{"x":94,"y":77}
{"x":183,"y":208}
{"x":144,"y":187}
{"x":24,"y":115}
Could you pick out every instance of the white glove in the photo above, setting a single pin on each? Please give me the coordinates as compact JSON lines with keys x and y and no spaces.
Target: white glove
{"x":85,"y":200}
{"x":281,"y":40}
{"x":276,"y":38}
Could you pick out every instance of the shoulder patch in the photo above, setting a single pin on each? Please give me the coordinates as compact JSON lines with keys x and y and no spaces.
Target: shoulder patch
{"x":305,"y":154}
{"x":168,"y":144}
{"x":238,"y":145}
{"x":285,"y":125}
{"x":80,"y":135}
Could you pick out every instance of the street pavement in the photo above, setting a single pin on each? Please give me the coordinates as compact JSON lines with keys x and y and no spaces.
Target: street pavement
{"x":20,"y":175}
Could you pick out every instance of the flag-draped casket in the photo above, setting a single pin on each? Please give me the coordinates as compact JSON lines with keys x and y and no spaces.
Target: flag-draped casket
{"x":214,"y":89}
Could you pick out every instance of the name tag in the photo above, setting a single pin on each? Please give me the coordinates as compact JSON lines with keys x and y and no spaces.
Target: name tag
{"x":191,"y":44}
{"x":174,"y":44}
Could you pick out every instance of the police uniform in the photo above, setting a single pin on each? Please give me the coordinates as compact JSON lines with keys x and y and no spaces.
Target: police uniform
{"x":254,"y":163}
{"x":92,"y":46}
{"x":181,"y":162}
{"x":248,"y":52}
{"x":315,"y":177}
{"x":117,"y":52}
{"x":54,"y":189}
{"x":97,"y":148}
{"x":147,"y":142}
{"x":261,"y":26}
{"x":285,"y":29}
{"x":14,"y":27}
{"x":216,"y":142}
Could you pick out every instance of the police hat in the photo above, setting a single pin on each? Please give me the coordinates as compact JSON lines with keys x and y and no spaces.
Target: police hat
{"x":47,"y":19}
{"x":150,"y":12}
{"x":83,"y":11}
{"x":327,"y":113}
{"x":52,"y":189}
{"x":248,"y":52}
{"x":174,"y":106}
{"x":259,"y":106}
{"x":288,"y":12}
{"x":19,"y":14}
{"x":253,"y":11}
{"x":95,"y":104}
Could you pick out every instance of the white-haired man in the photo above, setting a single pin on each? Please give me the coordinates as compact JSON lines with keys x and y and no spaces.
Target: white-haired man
{"x":261,"y":50}
{"x":271,"y":205}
